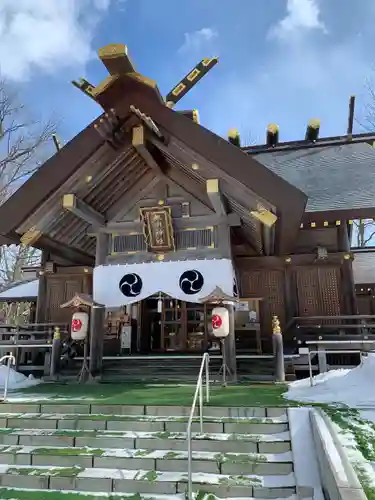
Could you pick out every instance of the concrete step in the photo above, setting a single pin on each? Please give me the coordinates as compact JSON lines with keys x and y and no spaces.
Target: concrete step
{"x":176,"y":441}
{"x":21,"y":494}
{"x":161,"y":460}
{"x":145,"y":481}
{"x":147,"y":423}
{"x":142,"y":450}
{"x":113,"y":409}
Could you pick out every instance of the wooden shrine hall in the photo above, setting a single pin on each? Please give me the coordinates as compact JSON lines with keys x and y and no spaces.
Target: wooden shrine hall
{"x":149,"y":212}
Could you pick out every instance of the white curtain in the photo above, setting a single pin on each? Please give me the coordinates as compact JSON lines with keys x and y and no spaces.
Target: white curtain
{"x":190,"y":281}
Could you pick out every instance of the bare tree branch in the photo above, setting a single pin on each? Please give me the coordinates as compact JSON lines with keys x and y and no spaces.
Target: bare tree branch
{"x":25,"y":143}
{"x":364,"y":232}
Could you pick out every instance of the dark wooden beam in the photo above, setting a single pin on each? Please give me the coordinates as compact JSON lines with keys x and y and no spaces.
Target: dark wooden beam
{"x":32,"y":235}
{"x":66,"y":252}
{"x":368,"y":137}
{"x":56,"y":142}
{"x":190,"y":80}
{"x":270,"y":262}
{"x":215,"y":196}
{"x":231,"y":220}
{"x":79,"y":208}
{"x":41,"y":308}
{"x":268,"y":240}
{"x":97,"y":316}
{"x":339,"y":215}
{"x":139,"y":143}
{"x":131,"y":197}
{"x":348,"y":298}
{"x":86,"y":87}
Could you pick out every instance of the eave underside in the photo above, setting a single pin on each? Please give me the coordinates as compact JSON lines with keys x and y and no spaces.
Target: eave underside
{"x":65,"y":233}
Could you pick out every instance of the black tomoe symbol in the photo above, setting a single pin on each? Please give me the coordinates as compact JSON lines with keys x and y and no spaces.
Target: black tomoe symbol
{"x":130,"y":285}
{"x":191,"y":282}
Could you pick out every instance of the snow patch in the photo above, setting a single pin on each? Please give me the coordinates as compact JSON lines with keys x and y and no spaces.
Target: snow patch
{"x":354,"y":388}
{"x":16,"y":380}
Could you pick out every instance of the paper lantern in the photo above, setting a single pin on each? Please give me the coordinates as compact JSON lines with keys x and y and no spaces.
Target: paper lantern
{"x":220,"y":322}
{"x":80,"y":323}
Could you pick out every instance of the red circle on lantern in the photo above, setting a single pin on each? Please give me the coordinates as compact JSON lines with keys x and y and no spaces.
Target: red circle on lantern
{"x":76,"y":325}
{"x":216,"y":321}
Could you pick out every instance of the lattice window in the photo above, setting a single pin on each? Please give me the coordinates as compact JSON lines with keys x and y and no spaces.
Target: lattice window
{"x":273,"y":289}
{"x":268,"y":285}
{"x":197,"y":238}
{"x":330,"y":290}
{"x":308,"y":292}
{"x":129,"y":243}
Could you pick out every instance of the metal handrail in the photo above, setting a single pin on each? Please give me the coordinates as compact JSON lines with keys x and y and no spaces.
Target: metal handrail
{"x":338,"y":351}
{"x":11,"y":360}
{"x":198,"y":391}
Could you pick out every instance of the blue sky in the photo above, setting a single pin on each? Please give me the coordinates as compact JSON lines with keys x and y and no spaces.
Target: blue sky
{"x":283,"y":61}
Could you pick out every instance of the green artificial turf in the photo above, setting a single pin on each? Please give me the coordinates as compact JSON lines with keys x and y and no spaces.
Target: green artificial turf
{"x":148,"y":394}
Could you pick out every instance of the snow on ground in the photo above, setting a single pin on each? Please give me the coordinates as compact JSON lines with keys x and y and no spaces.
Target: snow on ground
{"x":16,"y":380}
{"x":354,"y":388}
{"x":363,"y":467}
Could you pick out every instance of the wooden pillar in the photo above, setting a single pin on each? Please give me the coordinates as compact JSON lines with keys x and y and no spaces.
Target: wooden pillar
{"x":230,"y":346}
{"x":98,"y":313}
{"x":348,"y":287}
{"x":223,"y":233}
{"x":41,"y":305}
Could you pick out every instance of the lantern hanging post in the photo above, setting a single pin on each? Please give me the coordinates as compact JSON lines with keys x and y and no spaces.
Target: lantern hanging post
{"x":222,"y":320}
{"x":82,"y":305}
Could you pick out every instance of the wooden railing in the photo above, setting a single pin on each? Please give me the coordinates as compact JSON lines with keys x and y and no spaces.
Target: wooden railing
{"x":23,"y":341}
{"x":330,"y":327}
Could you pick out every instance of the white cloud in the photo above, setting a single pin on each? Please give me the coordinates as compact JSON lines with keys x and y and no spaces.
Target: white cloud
{"x":302,"y":16}
{"x":289,"y":89}
{"x":46,"y":35}
{"x":194,"y":41}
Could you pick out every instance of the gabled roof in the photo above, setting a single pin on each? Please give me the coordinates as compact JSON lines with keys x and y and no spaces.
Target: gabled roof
{"x":21,"y":290}
{"x":200,"y":144}
{"x":334,"y":178}
{"x":186,"y":141}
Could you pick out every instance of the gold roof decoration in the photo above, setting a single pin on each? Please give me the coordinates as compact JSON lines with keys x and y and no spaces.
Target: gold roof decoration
{"x":218,"y":295}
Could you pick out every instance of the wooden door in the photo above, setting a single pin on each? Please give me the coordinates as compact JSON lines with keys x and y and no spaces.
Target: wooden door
{"x":267,"y":284}
{"x":60,"y":289}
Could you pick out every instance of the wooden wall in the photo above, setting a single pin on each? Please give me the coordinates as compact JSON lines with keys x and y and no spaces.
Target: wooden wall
{"x":289,"y":289}
{"x":61,"y":287}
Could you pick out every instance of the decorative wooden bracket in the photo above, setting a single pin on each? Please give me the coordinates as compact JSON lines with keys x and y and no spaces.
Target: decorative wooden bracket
{"x":116,"y":59}
{"x":85,"y":87}
{"x":79,"y":208}
{"x":139,"y":143}
{"x":264,"y":216}
{"x":215,"y":196}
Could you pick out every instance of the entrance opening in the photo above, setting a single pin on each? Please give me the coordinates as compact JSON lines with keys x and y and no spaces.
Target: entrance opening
{"x":171,"y":325}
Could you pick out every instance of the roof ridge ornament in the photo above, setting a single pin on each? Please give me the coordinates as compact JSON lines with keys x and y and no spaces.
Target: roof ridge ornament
{"x":117,"y":61}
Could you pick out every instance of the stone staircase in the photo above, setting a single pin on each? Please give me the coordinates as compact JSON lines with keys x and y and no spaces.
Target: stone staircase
{"x":137,"y":450}
{"x":180,"y":369}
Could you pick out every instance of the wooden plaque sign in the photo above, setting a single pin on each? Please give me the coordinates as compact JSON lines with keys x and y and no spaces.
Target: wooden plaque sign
{"x":158,"y":229}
